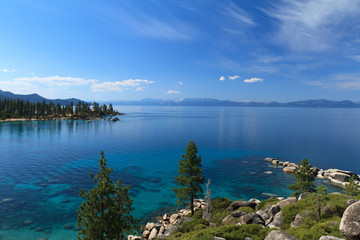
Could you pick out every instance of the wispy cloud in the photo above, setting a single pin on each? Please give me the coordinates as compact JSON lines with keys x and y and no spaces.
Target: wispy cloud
{"x":356,"y":58}
{"x":238,"y":20}
{"x":120,"y":86}
{"x":133,"y":19}
{"x":56,"y":81}
{"x":172,"y":92}
{"x":179,"y":84}
{"x":315,"y":25}
{"x":234,"y":77}
{"x":253,"y":80}
{"x":222,"y":78}
{"x":339,"y":81}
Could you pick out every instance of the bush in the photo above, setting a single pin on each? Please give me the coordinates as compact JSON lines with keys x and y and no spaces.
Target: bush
{"x":221,"y":203}
{"x":190,"y":226}
{"x":199,"y":226}
{"x":330,"y":227}
{"x":233,"y":232}
{"x":246,"y":209}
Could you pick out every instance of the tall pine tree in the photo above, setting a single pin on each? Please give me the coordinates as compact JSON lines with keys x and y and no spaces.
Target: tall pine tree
{"x":305,"y":179}
{"x":189,"y":178}
{"x":105,"y":211}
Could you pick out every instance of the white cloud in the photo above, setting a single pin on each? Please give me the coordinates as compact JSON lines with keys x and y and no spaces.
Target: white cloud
{"x":180,"y":84}
{"x":234,"y":77}
{"x":56,"y":81}
{"x":315,"y":25}
{"x":253,"y":80}
{"x":172,"y":92}
{"x":238,"y":15}
{"x":119,"y":86}
{"x":222,"y":78}
{"x":4,"y":70}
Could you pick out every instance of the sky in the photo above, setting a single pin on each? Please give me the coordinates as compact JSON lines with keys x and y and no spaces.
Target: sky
{"x":280,"y":50}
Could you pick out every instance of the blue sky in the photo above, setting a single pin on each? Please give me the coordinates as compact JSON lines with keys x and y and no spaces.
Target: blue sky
{"x":125,"y":50}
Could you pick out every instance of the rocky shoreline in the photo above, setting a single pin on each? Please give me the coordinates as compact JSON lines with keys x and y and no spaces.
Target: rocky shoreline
{"x":270,"y":217}
{"x":336,"y":177}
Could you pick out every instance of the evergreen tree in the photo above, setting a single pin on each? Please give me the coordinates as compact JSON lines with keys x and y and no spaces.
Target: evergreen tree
{"x":352,"y":188}
{"x":305,"y":179}
{"x":105,"y":211}
{"x":189,"y":178}
{"x":320,"y":196}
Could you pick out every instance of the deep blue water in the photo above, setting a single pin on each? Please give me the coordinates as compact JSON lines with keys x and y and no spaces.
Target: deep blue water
{"x":44,"y":166}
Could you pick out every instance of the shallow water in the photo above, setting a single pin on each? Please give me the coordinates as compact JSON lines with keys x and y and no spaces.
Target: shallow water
{"x":44,"y":166}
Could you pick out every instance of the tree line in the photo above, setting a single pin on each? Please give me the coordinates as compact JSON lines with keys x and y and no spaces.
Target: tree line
{"x":10,"y":108}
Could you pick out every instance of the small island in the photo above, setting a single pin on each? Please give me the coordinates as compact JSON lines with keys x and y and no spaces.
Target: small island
{"x":20,"y":110}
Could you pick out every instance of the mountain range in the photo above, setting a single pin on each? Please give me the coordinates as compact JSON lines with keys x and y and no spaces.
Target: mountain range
{"x":36,"y":98}
{"x":319,"y":103}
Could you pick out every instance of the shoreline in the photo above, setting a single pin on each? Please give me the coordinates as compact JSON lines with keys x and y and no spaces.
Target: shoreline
{"x":336,"y":177}
{"x":100,"y":118}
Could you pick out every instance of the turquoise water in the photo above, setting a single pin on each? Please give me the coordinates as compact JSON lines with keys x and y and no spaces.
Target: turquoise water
{"x":44,"y":166}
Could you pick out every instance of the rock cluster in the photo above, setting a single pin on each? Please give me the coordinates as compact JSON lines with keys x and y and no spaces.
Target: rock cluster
{"x":335,"y":176}
{"x":168,"y":223}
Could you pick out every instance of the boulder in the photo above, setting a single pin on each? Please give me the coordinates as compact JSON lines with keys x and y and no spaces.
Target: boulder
{"x":219,"y":238}
{"x":292,"y":165}
{"x":149,"y":226}
{"x":303,"y":196}
{"x":274,"y":209}
{"x":153,"y":234}
{"x":350,"y":222}
{"x":275,"y":162}
{"x":174,"y":217}
{"x":342,"y":177}
{"x":330,"y":238}
{"x":351,"y":201}
{"x":254,"y":200}
{"x":230,"y":220}
{"x":251,"y":218}
{"x":285,"y":202}
{"x":238,"y":214}
{"x":247,"y":238}
{"x":162,"y":229}
{"x":263,"y":214}
{"x":285,"y":164}
{"x":237,"y":204}
{"x":146,"y":234}
{"x":269,"y":159}
{"x":279,"y":235}
{"x":278,"y":221}
{"x":132,"y":237}
{"x":169,"y":231}
{"x":166,"y":217}
{"x":289,"y":169}
{"x":297,"y":222}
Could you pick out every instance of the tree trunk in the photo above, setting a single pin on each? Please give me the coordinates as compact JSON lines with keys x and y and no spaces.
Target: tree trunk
{"x":192,"y":205}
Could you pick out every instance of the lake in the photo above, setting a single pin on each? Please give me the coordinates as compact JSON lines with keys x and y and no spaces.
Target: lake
{"x":43,"y":167}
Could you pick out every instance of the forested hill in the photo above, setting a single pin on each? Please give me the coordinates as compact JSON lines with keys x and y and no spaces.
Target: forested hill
{"x":34,"y":98}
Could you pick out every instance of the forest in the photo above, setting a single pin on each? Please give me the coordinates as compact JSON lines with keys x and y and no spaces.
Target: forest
{"x":41,"y":110}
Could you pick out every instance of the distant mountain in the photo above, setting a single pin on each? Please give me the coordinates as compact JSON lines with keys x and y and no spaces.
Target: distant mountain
{"x":320,"y":103}
{"x":36,"y":98}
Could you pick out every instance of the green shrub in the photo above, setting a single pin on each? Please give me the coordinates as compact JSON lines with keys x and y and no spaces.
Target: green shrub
{"x":264,"y":204}
{"x":220,"y":203}
{"x":233,"y":232}
{"x":246,"y":209}
{"x":316,"y":231}
{"x":199,"y":226}
{"x":189,"y":226}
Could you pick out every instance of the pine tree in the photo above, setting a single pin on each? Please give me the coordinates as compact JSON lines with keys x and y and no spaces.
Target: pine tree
{"x":305,"y":179}
{"x":352,"y":188}
{"x":189,"y":178}
{"x":105,"y":211}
